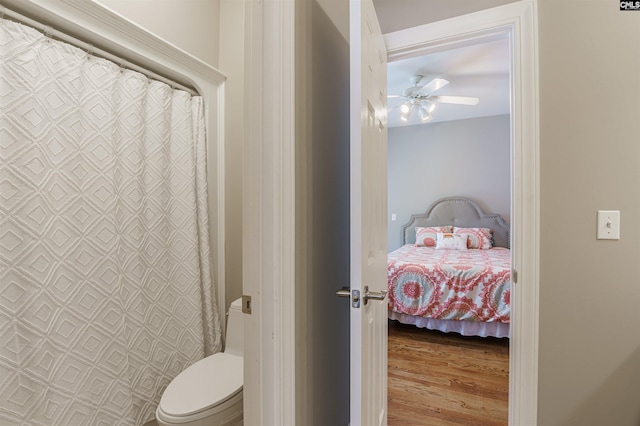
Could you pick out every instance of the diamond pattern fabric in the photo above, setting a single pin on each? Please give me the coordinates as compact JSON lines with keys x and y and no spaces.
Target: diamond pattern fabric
{"x":106,"y":287}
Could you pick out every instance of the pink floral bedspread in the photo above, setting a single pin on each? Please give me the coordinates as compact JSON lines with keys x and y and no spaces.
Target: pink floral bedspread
{"x":472,"y":285}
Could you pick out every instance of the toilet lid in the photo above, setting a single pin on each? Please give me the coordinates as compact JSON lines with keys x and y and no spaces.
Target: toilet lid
{"x":206,"y":383}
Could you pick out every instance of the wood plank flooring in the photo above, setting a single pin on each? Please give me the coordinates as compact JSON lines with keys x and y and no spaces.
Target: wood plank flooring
{"x":444,"y":379}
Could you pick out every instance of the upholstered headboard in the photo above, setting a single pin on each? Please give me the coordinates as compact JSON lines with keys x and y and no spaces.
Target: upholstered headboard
{"x":461,"y":212}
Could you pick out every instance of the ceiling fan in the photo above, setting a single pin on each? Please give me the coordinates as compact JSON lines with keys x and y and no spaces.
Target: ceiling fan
{"x":421,"y":98}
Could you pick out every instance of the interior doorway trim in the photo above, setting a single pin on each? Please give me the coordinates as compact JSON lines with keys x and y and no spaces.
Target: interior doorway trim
{"x":519,"y":21}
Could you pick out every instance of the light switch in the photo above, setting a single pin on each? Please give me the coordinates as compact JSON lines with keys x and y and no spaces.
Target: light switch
{"x":393,"y":217}
{"x":608,"y":225}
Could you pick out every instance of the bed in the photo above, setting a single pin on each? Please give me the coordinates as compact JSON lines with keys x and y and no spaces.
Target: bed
{"x":464,"y":290}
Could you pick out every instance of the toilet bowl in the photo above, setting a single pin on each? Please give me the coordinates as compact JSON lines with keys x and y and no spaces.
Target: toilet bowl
{"x":209,"y":392}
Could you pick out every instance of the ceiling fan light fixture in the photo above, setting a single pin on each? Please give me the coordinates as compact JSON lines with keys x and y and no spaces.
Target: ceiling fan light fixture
{"x":424,"y":114}
{"x":430,"y":106}
{"x":422,"y":99}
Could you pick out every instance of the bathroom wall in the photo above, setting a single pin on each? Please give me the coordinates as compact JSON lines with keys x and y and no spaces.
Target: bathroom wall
{"x":232,"y":64}
{"x":192,"y":25}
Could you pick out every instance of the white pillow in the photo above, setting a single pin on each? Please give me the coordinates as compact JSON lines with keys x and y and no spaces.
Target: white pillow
{"x":478,"y":238}
{"x":426,"y":237}
{"x":450,"y":241}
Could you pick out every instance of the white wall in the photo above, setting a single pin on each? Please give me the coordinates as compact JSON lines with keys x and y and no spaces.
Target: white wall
{"x":468,"y":158}
{"x":191,"y":25}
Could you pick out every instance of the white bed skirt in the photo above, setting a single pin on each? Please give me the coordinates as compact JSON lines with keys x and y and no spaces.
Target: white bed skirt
{"x":466,"y":328}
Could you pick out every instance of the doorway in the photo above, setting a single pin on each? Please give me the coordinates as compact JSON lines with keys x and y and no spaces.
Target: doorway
{"x":274,"y":380}
{"x":517,"y":21}
{"x":466,"y":150}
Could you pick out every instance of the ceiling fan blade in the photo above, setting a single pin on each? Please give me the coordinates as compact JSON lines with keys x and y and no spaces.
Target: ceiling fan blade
{"x":460,"y":100}
{"x":433,"y":85}
{"x":394,"y":96}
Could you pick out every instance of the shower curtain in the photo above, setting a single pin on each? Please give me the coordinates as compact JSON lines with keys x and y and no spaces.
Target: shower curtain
{"x":105,"y":283}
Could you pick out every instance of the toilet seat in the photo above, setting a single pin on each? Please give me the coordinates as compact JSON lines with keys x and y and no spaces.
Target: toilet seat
{"x":205,"y":388}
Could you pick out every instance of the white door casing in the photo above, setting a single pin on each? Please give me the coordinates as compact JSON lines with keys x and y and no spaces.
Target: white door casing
{"x":268,"y":187}
{"x":368,"y":230}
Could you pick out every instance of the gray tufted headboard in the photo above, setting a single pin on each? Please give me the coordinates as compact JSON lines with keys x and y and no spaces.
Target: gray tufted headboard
{"x":461,"y":212}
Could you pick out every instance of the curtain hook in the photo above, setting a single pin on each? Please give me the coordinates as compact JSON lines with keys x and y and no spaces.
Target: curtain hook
{"x":90,"y":50}
{"x":47,"y":32}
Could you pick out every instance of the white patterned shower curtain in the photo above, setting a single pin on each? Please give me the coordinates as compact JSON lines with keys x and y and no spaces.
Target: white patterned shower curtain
{"x":105,"y":283}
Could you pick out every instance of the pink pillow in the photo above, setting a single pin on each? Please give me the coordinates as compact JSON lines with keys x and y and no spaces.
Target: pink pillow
{"x":477,"y":238}
{"x":426,"y":237}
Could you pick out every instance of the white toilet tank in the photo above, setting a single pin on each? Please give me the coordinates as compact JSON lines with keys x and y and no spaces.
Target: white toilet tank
{"x":209,"y":392}
{"x":235,"y":329}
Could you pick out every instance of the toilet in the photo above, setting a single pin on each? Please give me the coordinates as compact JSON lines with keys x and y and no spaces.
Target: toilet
{"x":209,"y":392}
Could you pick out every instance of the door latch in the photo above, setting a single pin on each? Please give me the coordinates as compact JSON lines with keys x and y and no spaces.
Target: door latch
{"x":353,"y":295}
{"x":246,"y":304}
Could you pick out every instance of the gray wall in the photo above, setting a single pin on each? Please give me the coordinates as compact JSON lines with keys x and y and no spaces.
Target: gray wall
{"x":589,"y":358}
{"x":322,"y":211}
{"x":468,"y":158}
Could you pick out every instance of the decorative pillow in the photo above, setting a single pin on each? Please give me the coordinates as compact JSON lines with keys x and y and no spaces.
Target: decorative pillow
{"x":450,"y":241}
{"x":477,"y":238}
{"x":426,"y":237}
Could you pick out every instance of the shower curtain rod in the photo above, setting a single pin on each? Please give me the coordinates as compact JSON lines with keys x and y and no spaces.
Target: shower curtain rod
{"x":92,"y":50}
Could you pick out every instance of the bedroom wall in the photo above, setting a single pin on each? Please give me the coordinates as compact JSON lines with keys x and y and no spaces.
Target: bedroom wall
{"x":192,"y":25}
{"x":468,"y":158}
{"x":589,"y":357}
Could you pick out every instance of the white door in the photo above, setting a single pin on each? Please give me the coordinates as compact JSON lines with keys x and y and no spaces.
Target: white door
{"x":368,"y":217}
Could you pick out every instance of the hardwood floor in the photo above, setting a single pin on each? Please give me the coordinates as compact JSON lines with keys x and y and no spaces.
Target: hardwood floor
{"x":444,"y":379}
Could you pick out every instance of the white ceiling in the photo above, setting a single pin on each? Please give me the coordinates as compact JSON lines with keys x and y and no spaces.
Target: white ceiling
{"x":480,"y":71}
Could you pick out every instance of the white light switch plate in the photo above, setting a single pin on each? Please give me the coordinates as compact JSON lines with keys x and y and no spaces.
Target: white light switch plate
{"x":608,"y":225}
